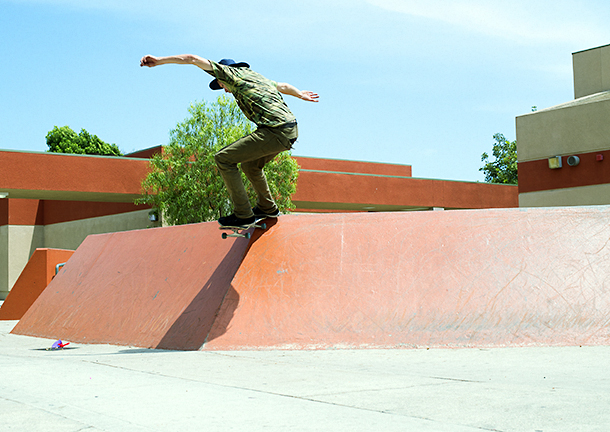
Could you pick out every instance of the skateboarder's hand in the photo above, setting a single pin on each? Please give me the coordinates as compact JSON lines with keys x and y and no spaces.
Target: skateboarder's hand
{"x":149,"y":61}
{"x":309,"y":96}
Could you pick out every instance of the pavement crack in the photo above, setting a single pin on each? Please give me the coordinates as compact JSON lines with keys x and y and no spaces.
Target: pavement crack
{"x":311,"y":399}
{"x":456,"y":379}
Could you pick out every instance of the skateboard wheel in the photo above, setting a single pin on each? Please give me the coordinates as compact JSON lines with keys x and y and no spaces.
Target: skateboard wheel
{"x":263,"y":226}
{"x":224,"y":235}
{"x":247,"y":235}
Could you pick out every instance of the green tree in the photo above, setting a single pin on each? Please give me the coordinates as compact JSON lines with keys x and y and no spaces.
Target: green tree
{"x":184,"y":184}
{"x":503,"y":169}
{"x":65,"y":140}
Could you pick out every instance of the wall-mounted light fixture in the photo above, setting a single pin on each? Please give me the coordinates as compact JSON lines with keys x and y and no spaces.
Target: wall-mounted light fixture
{"x":573,"y":160}
{"x":3,"y":195}
{"x":555,"y":162}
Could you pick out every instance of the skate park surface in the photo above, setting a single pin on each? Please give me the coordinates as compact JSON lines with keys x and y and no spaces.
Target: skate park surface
{"x":126,"y":389}
{"x":437,"y":321}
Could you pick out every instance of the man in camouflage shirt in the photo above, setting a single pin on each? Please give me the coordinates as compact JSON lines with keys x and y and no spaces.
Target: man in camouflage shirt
{"x":260,"y":99}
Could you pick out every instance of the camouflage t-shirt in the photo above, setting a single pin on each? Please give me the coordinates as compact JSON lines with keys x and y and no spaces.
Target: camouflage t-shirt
{"x":256,"y":96}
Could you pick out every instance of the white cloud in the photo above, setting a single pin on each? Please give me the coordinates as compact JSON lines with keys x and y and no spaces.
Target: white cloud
{"x":523,"y":21}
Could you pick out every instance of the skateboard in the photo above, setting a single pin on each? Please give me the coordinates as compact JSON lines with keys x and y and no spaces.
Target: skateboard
{"x":58,"y":345}
{"x":240,"y":231}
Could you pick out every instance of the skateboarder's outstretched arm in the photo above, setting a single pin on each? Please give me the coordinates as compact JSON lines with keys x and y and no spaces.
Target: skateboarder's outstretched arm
{"x":284,"y":88}
{"x":200,"y":62}
{"x":291,"y":90}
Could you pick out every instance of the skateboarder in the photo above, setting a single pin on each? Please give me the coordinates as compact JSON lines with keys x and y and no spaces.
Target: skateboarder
{"x":260,"y":99}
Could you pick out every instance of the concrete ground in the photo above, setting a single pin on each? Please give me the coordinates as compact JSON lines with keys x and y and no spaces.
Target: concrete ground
{"x":113,"y":388}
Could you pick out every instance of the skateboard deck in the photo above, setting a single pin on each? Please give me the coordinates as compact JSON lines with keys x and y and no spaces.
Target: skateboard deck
{"x":241,"y":231}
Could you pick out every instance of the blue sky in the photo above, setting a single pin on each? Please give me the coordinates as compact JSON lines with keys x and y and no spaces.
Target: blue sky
{"x":400,"y":81}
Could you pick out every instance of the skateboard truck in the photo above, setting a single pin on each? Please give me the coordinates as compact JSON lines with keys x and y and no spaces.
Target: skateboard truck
{"x":240,"y":231}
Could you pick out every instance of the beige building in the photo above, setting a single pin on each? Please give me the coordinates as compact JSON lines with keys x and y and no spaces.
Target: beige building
{"x":564,"y":151}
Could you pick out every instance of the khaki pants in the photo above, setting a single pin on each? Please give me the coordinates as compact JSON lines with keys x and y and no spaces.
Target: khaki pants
{"x":253,"y":152}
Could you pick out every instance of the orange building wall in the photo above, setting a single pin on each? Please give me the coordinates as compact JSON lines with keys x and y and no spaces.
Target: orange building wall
{"x":35,"y":277}
{"x":16,"y":211}
{"x":356,"y":167}
{"x":36,"y":175}
{"x":314,"y":188}
{"x":535,"y":176}
{"x":68,"y":179}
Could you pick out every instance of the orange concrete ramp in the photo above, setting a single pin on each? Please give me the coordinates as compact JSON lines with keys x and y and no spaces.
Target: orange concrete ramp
{"x":427,"y":279}
{"x":449,"y":279}
{"x":37,"y":274}
{"x":157,"y":288}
